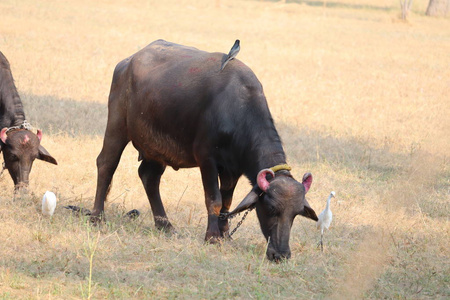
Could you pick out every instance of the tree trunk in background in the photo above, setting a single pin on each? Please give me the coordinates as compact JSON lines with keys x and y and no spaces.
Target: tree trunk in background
{"x":406,"y":7}
{"x":438,"y":7}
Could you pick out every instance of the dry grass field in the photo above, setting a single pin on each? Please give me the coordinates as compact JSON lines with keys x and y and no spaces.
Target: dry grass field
{"x":360,"y":98}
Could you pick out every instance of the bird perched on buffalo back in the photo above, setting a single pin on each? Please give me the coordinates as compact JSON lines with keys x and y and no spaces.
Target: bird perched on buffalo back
{"x":232,"y":54}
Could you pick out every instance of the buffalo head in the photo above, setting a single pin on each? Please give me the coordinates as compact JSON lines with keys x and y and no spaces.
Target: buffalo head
{"x":20,"y":148}
{"x":278,"y":201}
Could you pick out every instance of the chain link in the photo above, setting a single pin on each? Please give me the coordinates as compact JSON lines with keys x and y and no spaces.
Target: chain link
{"x":24,"y":125}
{"x":241,"y":221}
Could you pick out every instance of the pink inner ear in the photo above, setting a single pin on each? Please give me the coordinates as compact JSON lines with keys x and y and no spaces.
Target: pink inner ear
{"x":39,"y":134}
{"x":307,"y":180}
{"x":3,"y":136}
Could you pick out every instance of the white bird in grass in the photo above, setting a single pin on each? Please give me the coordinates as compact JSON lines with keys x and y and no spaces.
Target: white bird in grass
{"x":325,"y":218}
{"x":48,"y":204}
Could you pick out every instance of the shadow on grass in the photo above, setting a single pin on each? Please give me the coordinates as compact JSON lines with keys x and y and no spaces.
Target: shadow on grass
{"x":355,"y":155}
{"x":334,"y":4}
{"x":312,"y":147}
{"x":55,"y":116}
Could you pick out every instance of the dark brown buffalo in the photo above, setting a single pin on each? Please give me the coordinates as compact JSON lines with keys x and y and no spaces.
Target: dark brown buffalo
{"x":20,"y":146}
{"x":179,"y":109}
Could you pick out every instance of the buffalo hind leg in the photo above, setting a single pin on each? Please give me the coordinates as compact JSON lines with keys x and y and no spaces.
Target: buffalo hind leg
{"x":107,"y":162}
{"x":150,"y":173}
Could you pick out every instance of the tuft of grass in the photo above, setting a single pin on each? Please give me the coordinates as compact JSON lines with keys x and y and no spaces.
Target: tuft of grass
{"x":90,"y":248}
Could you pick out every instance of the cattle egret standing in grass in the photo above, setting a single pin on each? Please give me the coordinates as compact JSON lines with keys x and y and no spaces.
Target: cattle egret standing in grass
{"x":48,"y":204}
{"x":325,"y":218}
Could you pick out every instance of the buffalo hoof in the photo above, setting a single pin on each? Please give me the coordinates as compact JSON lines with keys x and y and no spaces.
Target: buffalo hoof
{"x":165,"y":226}
{"x":168,"y":232}
{"x":97,"y":219}
{"x":213,"y":238}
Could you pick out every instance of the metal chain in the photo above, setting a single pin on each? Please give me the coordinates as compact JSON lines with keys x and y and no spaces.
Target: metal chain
{"x":241,"y":221}
{"x":24,"y":125}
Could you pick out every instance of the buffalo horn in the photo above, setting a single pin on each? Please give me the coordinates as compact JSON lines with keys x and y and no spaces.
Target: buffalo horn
{"x":261,"y":179}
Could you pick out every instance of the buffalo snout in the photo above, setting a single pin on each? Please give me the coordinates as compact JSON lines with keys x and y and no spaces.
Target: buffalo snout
{"x":20,"y":190}
{"x":278,"y":256}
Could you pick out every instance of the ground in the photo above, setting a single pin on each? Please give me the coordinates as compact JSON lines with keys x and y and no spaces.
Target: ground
{"x":360,"y":98}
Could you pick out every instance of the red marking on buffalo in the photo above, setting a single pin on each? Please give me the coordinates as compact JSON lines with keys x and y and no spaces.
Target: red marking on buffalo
{"x":177,"y":85}
{"x":194,"y":70}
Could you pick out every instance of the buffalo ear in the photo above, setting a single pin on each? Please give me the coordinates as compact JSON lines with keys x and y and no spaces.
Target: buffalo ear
{"x":45,"y":156}
{"x":248,"y":201}
{"x":307,"y":181}
{"x":3,"y":135}
{"x":308,"y":212}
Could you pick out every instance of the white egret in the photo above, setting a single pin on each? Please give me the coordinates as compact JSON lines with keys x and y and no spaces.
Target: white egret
{"x":325,"y":218}
{"x":48,"y":204}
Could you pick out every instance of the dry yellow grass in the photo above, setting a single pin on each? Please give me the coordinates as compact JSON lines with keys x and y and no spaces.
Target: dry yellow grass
{"x":361,"y":100}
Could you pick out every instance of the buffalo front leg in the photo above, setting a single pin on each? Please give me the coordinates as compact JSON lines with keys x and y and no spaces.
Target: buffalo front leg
{"x":213,"y":199}
{"x":226,"y":192}
{"x":150,"y":173}
{"x":107,"y":162}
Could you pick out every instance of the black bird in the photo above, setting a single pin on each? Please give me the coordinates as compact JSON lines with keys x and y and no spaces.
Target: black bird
{"x":133,"y":214}
{"x":233,"y":52}
{"x":79,"y":210}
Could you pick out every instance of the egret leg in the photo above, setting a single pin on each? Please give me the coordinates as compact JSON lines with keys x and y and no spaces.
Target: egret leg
{"x":321,"y":242}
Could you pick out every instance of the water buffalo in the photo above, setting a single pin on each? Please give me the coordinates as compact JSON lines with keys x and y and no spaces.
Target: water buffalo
{"x":179,"y":109}
{"x":20,"y":146}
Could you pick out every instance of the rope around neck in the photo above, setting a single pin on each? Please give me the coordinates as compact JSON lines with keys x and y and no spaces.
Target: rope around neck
{"x":281,"y":167}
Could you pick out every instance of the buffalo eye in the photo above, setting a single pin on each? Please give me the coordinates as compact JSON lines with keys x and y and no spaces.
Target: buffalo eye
{"x":270,"y":208}
{"x":273,"y":212}
{"x":13,"y":157}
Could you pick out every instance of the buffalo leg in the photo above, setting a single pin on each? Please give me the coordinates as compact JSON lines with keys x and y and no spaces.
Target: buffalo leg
{"x":213,"y":198}
{"x":114,"y":142}
{"x":107,"y":162}
{"x":150,"y":173}
{"x":226,"y":192}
